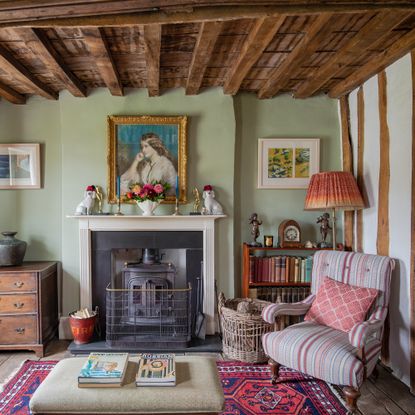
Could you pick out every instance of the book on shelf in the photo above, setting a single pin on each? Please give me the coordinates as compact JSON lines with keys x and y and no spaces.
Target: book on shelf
{"x":156,"y":370}
{"x":103,"y":370}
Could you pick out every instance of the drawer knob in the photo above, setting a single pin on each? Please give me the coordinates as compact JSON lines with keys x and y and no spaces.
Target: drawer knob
{"x":20,"y":330}
{"x":19,"y":284}
{"x":19,"y":305}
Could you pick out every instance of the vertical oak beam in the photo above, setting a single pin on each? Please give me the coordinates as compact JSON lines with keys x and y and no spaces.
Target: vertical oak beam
{"x":412,"y":270}
{"x":347,"y":166}
{"x":382,"y":242}
{"x":382,"y":239}
{"x":152,"y":44}
{"x":360,"y":153}
{"x":206,"y":40}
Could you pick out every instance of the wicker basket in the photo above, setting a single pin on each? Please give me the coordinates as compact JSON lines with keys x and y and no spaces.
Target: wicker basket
{"x":242,"y":331}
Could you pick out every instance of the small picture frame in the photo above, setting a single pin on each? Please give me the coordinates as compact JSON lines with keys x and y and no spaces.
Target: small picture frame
{"x":19,"y":166}
{"x":287,"y":163}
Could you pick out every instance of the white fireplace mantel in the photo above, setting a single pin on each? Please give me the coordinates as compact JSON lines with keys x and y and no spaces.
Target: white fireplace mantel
{"x":204,"y":223}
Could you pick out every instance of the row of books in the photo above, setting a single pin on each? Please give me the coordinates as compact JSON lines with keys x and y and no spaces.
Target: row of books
{"x":282,"y":268}
{"x":279,"y":294}
{"x":109,"y":369}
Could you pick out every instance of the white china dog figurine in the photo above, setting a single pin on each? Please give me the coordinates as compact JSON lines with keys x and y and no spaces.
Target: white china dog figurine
{"x":86,"y":206}
{"x":211,"y":206}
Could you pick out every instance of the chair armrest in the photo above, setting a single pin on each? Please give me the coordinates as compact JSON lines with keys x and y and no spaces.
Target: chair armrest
{"x":360,"y":332}
{"x":270,"y":312}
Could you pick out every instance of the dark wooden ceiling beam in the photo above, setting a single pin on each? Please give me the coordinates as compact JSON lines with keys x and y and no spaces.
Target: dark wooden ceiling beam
{"x":11,"y":95}
{"x":206,"y":39}
{"x":99,"y":49}
{"x":152,"y":44}
{"x":374,"y":33}
{"x":379,"y":62}
{"x":310,"y":42}
{"x":259,"y":37}
{"x":12,"y":66}
{"x":42,"y":47}
{"x":54,"y":13}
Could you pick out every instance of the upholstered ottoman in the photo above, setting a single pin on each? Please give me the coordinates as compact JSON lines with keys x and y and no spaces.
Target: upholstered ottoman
{"x":197,"y":391}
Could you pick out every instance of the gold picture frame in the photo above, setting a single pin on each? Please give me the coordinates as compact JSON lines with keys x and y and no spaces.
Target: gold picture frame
{"x":129,"y":138}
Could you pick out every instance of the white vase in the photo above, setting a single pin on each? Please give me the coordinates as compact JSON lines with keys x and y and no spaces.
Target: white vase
{"x":148,"y":207}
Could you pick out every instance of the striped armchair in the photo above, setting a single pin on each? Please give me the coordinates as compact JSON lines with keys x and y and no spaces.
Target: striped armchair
{"x":345,"y":359}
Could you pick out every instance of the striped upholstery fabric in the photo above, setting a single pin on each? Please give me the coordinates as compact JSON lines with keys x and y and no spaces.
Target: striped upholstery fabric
{"x":324,"y":352}
{"x":320,"y":351}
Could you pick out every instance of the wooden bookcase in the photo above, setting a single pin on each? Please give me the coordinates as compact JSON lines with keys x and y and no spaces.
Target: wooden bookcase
{"x":248,"y":250}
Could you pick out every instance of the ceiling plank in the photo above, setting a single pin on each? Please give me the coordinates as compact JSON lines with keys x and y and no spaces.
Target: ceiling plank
{"x":374,"y":33}
{"x":11,"y":95}
{"x":206,"y":39}
{"x":310,"y":42}
{"x":379,"y":62}
{"x":152,"y":44}
{"x":41,"y":46}
{"x":11,"y":65}
{"x":261,"y":34}
{"x":99,"y":49}
{"x":55,"y":13}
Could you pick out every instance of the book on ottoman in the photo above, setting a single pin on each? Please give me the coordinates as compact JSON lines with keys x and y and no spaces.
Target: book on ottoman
{"x":103,"y":370}
{"x":156,"y":370}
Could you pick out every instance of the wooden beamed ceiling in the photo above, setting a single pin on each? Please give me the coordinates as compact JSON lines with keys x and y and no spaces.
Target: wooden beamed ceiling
{"x":300,"y":47}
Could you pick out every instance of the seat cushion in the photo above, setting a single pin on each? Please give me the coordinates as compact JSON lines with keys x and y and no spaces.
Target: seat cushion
{"x":320,"y":351}
{"x":340,"y":306}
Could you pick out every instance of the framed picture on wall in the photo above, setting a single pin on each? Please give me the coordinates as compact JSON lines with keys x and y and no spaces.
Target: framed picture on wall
{"x":19,"y":166}
{"x":287,"y":163}
{"x":143,"y":149}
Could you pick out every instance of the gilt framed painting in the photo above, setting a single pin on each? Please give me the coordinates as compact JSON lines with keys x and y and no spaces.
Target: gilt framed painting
{"x":147,"y":149}
{"x":19,"y":166}
{"x":287,"y":163}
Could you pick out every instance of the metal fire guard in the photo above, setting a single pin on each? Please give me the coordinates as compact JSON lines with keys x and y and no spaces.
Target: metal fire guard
{"x":166,"y":324}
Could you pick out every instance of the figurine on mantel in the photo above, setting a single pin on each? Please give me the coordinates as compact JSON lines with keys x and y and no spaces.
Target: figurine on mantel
{"x":211,"y":205}
{"x":87,"y":204}
{"x":255,"y":222}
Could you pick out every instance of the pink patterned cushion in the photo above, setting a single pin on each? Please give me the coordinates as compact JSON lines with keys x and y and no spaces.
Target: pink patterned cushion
{"x":340,"y":305}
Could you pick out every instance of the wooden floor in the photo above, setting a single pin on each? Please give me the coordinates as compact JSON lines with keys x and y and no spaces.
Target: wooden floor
{"x":385,"y":396}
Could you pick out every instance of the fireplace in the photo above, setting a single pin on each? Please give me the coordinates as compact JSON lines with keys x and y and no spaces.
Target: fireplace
{"x":161,"y":229}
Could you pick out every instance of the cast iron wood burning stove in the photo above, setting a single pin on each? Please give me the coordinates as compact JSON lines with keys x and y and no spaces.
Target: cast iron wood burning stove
{"x":148,"y":308}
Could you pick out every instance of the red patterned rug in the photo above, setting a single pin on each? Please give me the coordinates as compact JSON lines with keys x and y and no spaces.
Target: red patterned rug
{"x":247,"y":387}
{"x":248,"y":391}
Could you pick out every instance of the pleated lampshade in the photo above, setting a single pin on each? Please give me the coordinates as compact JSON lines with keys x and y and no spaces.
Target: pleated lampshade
{"x":333,"y":189}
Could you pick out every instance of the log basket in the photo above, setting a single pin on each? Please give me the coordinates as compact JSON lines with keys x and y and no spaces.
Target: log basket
{"x":242,"y":328}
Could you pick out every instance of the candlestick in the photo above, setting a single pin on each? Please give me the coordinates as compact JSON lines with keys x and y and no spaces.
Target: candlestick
{"x":176,"y":208}
{"x":119,"y":213}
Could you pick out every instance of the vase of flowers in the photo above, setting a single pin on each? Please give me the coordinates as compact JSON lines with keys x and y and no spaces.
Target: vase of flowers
{"x":148,"y":196}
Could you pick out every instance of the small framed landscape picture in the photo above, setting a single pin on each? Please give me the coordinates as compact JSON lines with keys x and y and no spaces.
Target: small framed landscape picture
{"x":146,"y":149}
{"x":19,"y":166}
{"x":287,"y":163}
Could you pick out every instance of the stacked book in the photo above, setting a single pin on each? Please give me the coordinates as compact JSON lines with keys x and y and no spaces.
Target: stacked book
{"x":103,"y":370}
{"x":283,"y":268}
{"x":156,"y":370}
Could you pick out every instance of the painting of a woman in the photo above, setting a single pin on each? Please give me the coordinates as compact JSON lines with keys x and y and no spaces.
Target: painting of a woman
{"x":153,"y":163}
{"x":146,"y":149}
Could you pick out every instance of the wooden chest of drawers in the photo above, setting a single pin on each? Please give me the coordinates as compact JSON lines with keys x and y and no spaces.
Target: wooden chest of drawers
{"x":28,"y":306}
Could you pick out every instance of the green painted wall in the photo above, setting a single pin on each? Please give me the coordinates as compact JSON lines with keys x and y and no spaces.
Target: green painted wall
{"x":222,"y":151}
{"x":280,"y":117}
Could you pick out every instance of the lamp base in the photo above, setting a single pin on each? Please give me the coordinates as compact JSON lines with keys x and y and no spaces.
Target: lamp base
{"x":323,"y":245}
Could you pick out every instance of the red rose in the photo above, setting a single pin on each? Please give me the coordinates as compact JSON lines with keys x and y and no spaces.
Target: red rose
{"x":91,"y":188}
{"x":130,"y":195}
{"x":207,"y":188}
{"x":158,"y":188}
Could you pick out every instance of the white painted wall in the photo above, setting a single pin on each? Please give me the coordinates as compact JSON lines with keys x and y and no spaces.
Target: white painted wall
{"x":399,"y":112}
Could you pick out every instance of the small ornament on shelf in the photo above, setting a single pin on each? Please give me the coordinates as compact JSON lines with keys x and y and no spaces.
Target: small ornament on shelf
{"x":86,"y":206}
{"x":255,"y":222}
{"x":268,"y":241}
{"x":213,"y":207}
{"x":324,"y":221}
{"x":196,"y":203}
